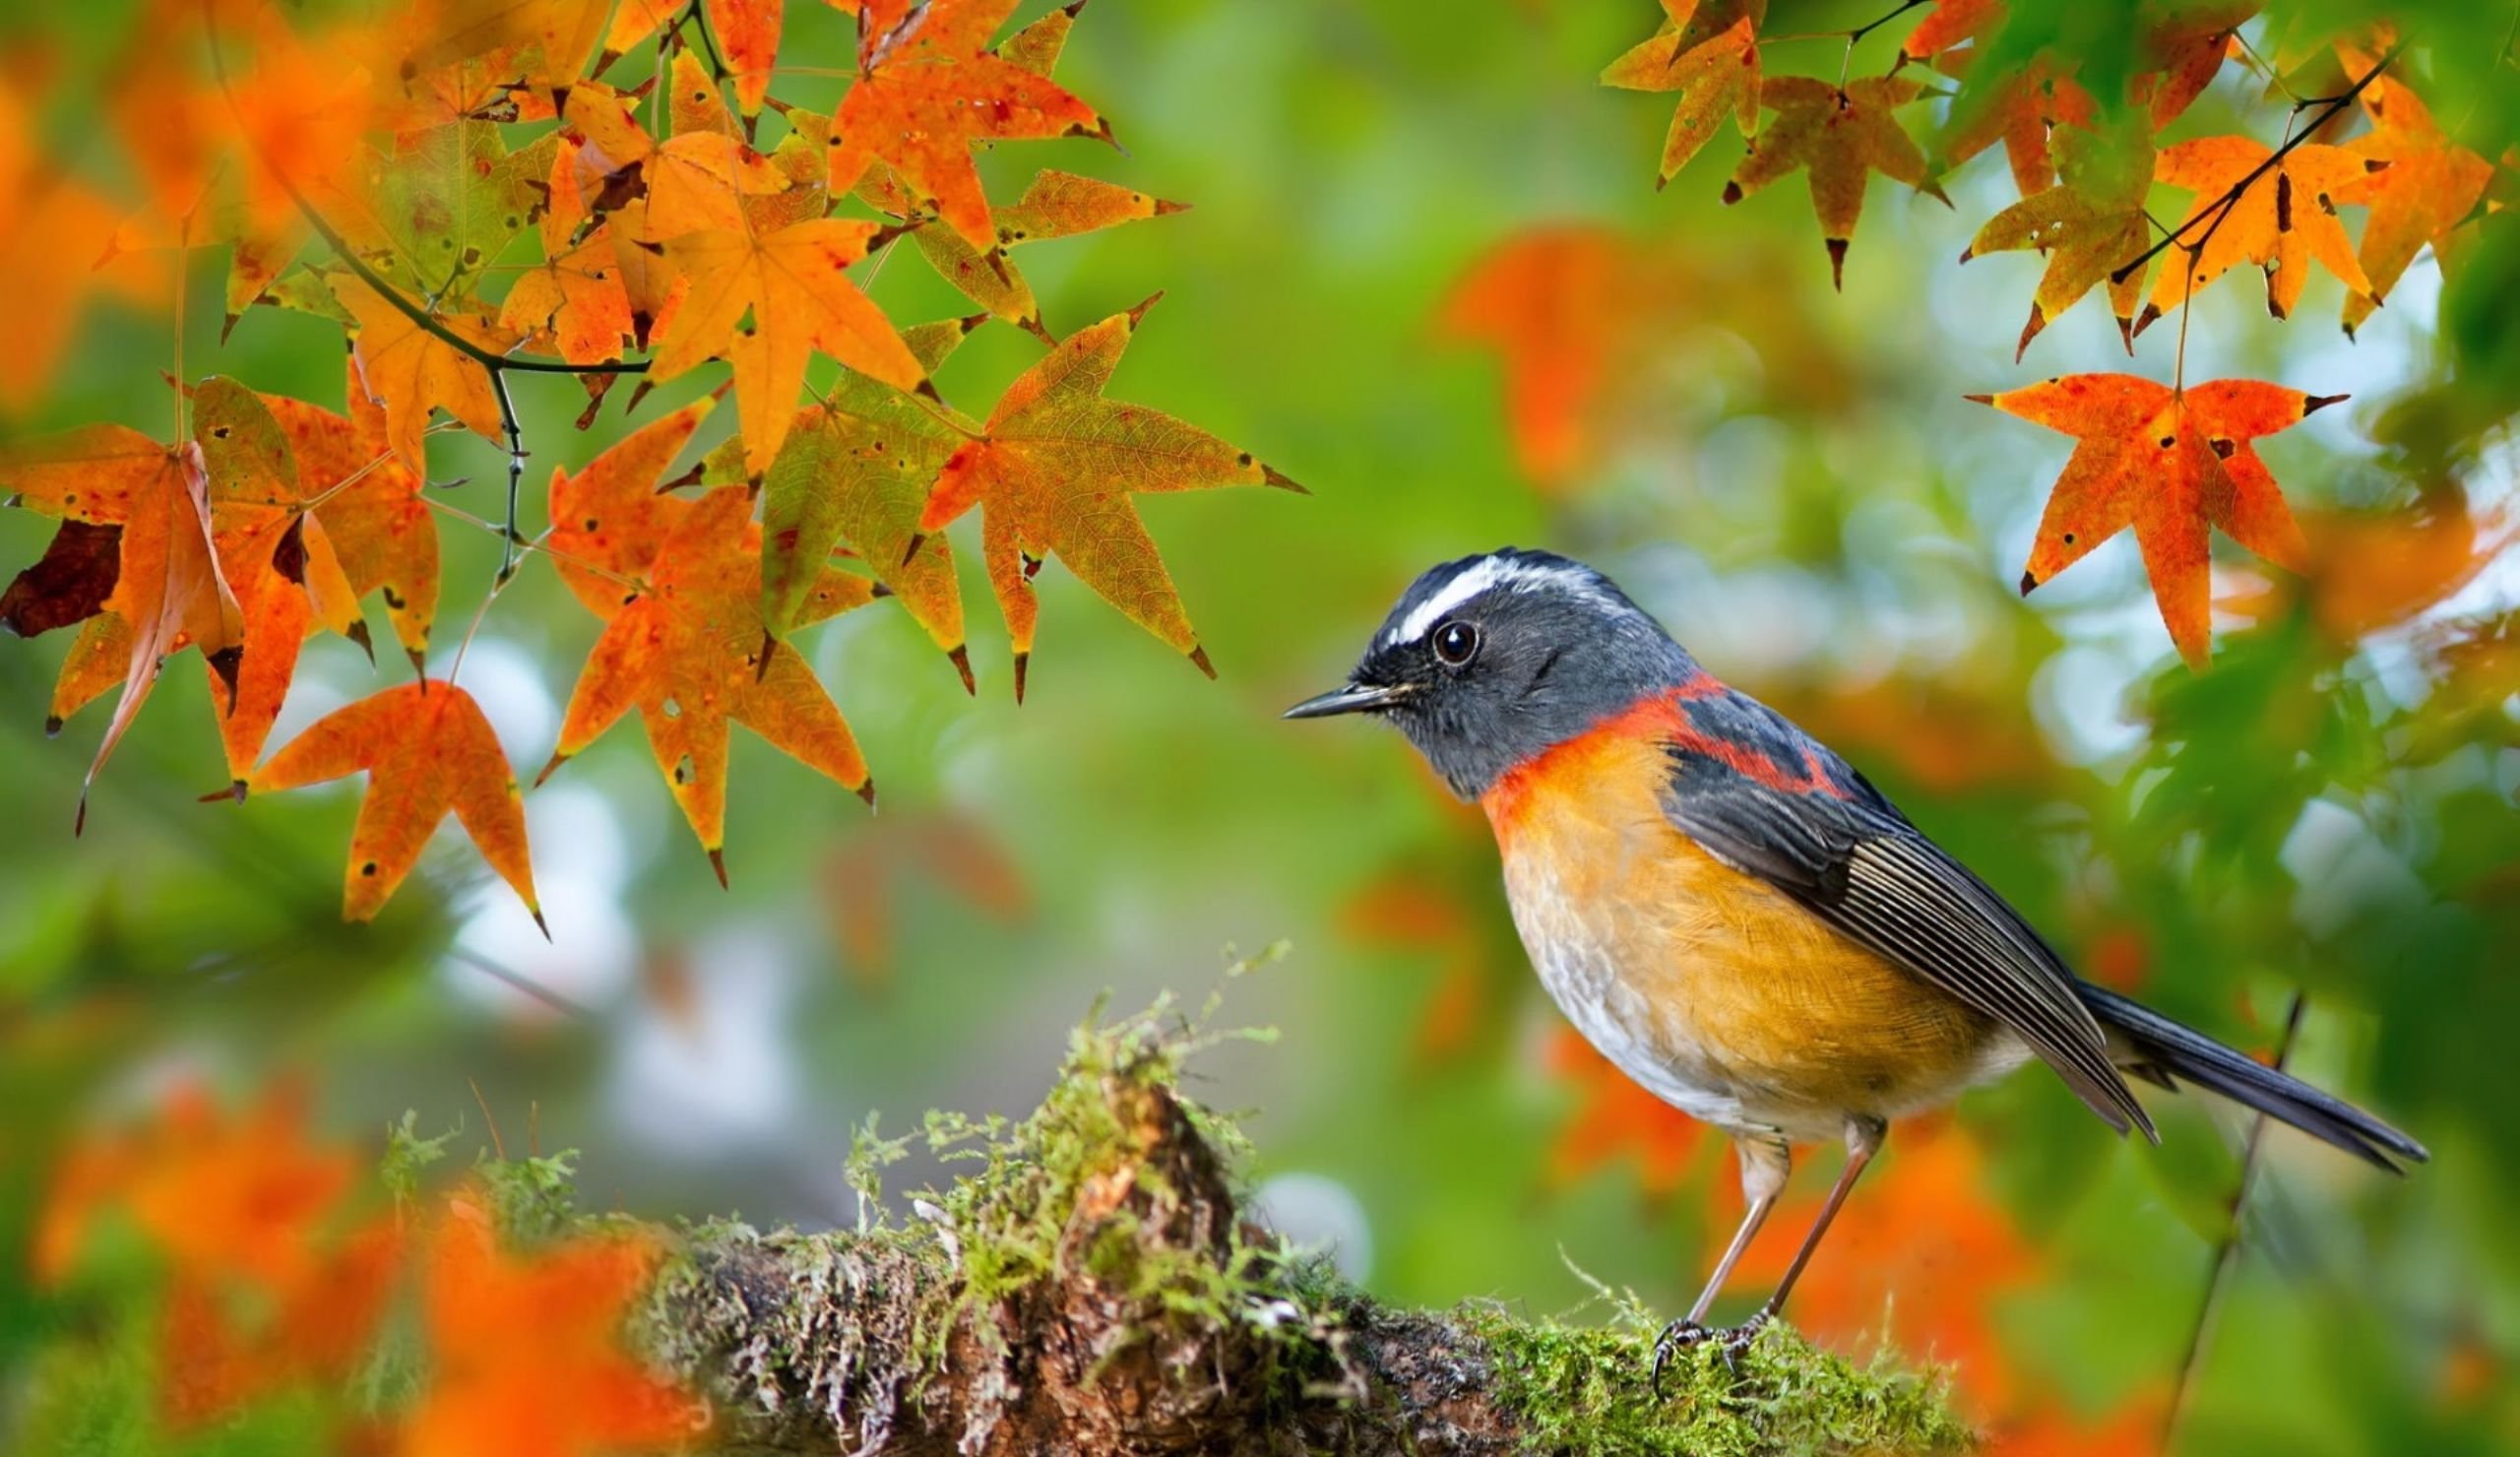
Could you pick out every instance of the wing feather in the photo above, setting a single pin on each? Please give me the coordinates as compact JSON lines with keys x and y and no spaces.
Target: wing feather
{"x":1845,"y":853}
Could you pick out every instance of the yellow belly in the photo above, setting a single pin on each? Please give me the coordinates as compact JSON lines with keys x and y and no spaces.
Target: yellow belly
{"x":1707,"y":985}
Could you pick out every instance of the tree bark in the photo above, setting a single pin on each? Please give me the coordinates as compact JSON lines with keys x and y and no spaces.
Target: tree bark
{"x":1096,"y":1288}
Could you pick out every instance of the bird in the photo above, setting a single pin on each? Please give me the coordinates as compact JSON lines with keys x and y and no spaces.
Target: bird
{"x":1736,"y":916}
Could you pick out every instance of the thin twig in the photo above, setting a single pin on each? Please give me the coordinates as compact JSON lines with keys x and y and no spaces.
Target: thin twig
{"x":519,"y":982}
{"x":699,"y":21}
{"x":2226,"y":1251}
{"x":426,"y":322}
{"x":534,"y":544}
{"x":2222,"y":206}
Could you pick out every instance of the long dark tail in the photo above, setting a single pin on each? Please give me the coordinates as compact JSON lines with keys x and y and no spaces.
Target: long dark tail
{"x":2163,"y":1050}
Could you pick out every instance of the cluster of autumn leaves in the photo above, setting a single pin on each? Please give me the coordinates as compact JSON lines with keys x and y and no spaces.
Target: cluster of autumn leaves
{"x":279,"y":1283}
{"x":2167,"y":460}
{"x":365,"y":172}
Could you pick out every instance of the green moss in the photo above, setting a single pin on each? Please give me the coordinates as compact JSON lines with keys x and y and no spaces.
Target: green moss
{"x":1111,"y":1215}
{"x":1584,"y":1390}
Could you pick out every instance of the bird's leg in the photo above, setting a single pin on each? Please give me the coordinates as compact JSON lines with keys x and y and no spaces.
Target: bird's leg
{"x":1766,"y":1161}
{"x":1863,"y":1139}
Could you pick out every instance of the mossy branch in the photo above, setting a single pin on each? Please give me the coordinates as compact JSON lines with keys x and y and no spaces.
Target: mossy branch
{"x":1092,"y":1285}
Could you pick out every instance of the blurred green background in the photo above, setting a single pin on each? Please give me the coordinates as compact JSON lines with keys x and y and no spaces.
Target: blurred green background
{"x":1790,"y":477}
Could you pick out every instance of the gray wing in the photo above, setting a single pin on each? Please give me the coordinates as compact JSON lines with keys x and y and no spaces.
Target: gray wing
{"x":1766,"y":799}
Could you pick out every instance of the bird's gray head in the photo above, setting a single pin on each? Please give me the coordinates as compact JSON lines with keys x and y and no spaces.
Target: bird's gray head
{"x":1488,"y":661}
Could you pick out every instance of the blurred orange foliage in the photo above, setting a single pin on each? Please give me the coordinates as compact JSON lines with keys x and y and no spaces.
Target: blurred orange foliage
{"x":525,"y":1352}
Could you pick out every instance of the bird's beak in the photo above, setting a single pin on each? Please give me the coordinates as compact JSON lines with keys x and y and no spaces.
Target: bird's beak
{"x":1355,"y":698}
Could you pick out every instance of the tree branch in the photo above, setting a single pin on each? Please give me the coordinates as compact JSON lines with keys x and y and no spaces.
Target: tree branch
{"x":1097,"y":1287}
{"x":2221,"y":207}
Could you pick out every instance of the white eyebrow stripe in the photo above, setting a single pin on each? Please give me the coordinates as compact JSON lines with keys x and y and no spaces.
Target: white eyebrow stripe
{"x":1477,"y":578}
{"x":1484,"y":575}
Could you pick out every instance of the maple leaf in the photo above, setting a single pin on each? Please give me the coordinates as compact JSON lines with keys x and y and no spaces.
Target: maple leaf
{"x":1053,"y":472}
{"x":2020,"y":112}
{"x":1055,"y":205}
{"x":794,"y":283}
{"x":2090,"y":225}
{"x":408,"y":371}
{"x":573,"y":299}
{"x":1562,"y":305}
{"x":221,"y":1197}
{"x":441,"y":205}
{"x":633,"y":22}
{"x":2425,"y":186}
{"x":428,"y":752}
{"x":1839,"y":136}
{"x":562,"y":1383}
{"x":2184,"y":43}
{"x":1711,"y":60}
{"x":748,"y":32}
{"x":858,"y":470}
{"x":929,"y":89}
{"x":370,"y":506}
{"x":275,"y":554}
{"x":69,"y":584}
{"x":167,"y":594}
{"x":545,"y":42}
{"x":2170,"y":465}
{"x":2369,"y":571}
{"x":54,"y":233}
{"x":684,"y":640}
{"x":1952,"y":23}
{"x":2283,"y":218}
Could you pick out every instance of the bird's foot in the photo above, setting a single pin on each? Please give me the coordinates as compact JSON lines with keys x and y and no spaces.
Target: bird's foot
{"x":1680,"y":1335}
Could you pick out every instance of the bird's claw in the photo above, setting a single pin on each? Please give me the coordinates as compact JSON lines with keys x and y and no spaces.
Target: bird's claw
{"x":1676,"y":1337}
{"x":1679,"y":1335}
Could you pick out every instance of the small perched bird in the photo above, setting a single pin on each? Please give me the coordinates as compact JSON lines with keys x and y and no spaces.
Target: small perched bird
{"x":1734,"y":916}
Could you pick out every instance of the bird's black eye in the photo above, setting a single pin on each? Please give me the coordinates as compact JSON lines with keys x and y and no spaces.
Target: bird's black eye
{"x":1455,"y":642}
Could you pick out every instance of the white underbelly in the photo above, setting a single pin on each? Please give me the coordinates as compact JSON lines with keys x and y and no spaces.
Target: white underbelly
{"x":1579,"y":966}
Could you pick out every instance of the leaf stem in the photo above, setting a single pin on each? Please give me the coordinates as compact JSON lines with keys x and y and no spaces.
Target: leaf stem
{"x":533,"y":543}
{"x":698,"y":19}
{"x":2222,"y":206}
{"x":2226,"y":1251}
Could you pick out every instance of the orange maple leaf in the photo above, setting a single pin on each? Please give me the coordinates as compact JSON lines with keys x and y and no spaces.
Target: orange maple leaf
{"x":2090,"y":225}
{"x":2023,"y":110}
{"x":370,"y":504}
{"x":2368,"y":571}
{"x":2283,"y":218}
{"x":54,"y":234}
{"x":168,"y":595}
{"x":929,"y":89}
{"x":795,"y":284}
{"x":408,"y":371}
{"x":748,"y":32}
{"x":572,"y":300}
{"x":856,"y":469}
{"x":274,"y":552}
{"x":2170,"y":465}
{"x":1711,"y":57}
{"x":428,"y":752}
{"x":525,"y":1352}
{"x":1840,"y":137}
{"x":1055,"y":205}
{"x":1054,"y":471}
{"x":1569,"y":308}
{"x":2427,"y":185}
{"x":684,"y":640}
{"x":1951,"y":22}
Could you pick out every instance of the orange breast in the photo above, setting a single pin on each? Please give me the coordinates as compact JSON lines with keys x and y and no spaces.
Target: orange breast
{"x":1706,"y":985}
